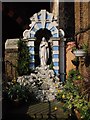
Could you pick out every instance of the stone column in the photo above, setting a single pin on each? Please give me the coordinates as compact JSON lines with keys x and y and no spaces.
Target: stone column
{"x":55,"y":55}
{"x":30,"y":44}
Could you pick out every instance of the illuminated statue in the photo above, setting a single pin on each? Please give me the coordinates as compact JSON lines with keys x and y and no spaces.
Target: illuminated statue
{"x":43,"y":52}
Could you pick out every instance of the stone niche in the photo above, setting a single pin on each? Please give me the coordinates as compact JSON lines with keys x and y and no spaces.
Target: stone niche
{"x":11,"y":56}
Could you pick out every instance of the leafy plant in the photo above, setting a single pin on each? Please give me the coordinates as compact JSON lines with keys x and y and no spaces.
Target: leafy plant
{"x":74,"y":75}
{"x":18,"y":92}
{"x":86,"y":86}
{"x":72,"y":96}
{"x":51,"y":66}
{"x":23,"y":67}
{"x":83,"y":46}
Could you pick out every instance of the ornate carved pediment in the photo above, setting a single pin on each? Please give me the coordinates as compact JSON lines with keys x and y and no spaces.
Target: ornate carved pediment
{"x":41,"y":20}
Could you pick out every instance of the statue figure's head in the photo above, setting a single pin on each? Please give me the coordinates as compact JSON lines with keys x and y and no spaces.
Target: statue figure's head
{"x":43,"y":39}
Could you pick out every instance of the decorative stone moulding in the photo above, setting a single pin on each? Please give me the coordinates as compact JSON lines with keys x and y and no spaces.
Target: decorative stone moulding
{"x":79,"y":53}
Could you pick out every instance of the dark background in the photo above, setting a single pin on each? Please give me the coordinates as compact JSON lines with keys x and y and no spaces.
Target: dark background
{"x":25,"y":10}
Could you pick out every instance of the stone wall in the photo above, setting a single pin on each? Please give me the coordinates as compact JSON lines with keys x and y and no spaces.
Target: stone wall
{"x":11,"y":57}
{"x":69,"y":57}
{"x":82,"y":28}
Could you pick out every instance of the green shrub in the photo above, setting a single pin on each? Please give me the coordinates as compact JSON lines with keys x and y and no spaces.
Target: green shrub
{"x":72,"y":96}
{"x":23,"y":67}
{"x":18,"y":92}
{"x":74,"y":75}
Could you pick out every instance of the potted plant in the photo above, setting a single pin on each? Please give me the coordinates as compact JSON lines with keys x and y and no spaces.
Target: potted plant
{"x":81,"y":51}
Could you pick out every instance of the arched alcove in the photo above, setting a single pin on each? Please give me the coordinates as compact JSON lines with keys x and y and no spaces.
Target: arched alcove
{"x":39,"y":35}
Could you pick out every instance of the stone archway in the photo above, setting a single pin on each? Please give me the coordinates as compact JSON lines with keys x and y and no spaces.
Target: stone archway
{"x":44,"y":20}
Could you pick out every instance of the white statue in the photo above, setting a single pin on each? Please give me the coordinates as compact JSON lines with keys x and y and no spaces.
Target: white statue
{"x":43,"y":52}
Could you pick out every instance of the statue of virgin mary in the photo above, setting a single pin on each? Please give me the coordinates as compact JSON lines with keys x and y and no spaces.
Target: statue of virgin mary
{"x":43,"y":52}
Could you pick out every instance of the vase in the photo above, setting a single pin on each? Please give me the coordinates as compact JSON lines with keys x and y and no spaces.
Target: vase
{"x":79,"y":53}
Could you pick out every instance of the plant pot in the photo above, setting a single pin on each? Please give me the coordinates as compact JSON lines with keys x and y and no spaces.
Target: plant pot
{"x":79,"y":53}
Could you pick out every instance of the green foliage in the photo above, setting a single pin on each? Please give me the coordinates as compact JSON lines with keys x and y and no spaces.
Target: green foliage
{"x":72,"y":96}
{"x":83,"y":46}
{"x":74,"y":75}
{"x":23,"y":58}
{"x":51,"y":66}
{"x":18,"y":92}
{"x":74,"y":48}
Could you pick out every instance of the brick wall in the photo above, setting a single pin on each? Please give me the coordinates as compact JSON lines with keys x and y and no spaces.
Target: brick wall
{"x":82,"y":23}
